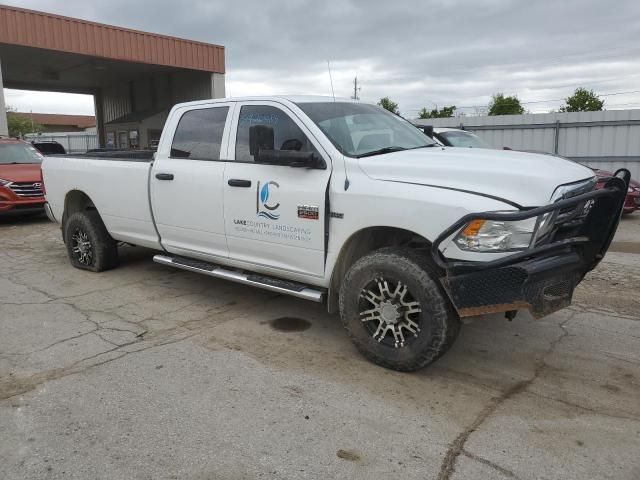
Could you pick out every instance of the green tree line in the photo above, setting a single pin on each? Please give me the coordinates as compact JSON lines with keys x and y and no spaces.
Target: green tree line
{"x":582,"y":100}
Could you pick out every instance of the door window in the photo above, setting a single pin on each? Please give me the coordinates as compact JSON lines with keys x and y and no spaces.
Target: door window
{"x":287,"y":135}
{"x":199,"y":134}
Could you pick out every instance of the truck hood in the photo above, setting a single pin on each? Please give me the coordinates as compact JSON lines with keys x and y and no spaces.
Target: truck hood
{"x":526,"y":179}
{"x":21,"y":172}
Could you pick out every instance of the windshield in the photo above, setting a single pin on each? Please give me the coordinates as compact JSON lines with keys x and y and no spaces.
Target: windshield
{"x":464,"y":139}
{"x":360,"y":129}
{"x":18,"y":153}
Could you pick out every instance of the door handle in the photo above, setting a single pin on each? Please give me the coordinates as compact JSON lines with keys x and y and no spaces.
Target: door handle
{"x":164,"y":176}
{"x":235,"y":182}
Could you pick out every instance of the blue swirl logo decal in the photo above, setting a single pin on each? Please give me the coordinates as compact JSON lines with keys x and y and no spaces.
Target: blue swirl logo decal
{"x":265,"y":209}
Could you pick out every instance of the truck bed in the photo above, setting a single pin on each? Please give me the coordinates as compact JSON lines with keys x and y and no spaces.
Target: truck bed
{"x":116,"y":182}
{"x":110,"y":154}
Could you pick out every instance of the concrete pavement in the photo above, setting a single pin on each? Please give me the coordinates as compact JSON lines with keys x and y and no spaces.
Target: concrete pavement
{"x":149,"y":372}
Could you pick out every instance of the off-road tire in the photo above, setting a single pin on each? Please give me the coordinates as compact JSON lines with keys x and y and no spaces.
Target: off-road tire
{"x":104,"y":248}
{"x":439,"y":322}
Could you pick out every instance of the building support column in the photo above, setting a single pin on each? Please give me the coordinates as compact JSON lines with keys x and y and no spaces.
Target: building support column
{"x":98,"y":102}
{"x":4,"y":127}
{"x":217,"y":85}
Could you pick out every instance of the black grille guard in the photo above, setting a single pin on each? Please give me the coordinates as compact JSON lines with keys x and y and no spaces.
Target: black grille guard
{"x":593,"y":236}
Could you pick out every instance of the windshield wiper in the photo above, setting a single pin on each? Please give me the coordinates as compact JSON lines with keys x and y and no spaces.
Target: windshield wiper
{"x":423,"y":146}
{"x":380,"y":151}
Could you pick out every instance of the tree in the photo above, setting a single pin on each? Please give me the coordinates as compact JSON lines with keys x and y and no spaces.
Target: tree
{"x":501,"y":105}
{"x":20,"y":124}
{"x":445,"y":112}
{"x":583,"y":100}
{"x":389,"y":104}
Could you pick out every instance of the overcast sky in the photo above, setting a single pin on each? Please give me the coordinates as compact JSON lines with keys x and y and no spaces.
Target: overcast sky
{"x":419,"y":53}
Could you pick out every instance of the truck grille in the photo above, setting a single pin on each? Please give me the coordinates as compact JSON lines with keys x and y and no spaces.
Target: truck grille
{"x":568,"y":221}
{"x":27,"y":189}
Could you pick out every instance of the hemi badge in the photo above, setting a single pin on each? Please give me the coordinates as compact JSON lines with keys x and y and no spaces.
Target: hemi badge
{"x":337,"y":215}
{"x":309,"y":212}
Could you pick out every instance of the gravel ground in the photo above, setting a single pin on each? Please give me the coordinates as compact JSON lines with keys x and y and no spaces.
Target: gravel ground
{"x":153,"y":373}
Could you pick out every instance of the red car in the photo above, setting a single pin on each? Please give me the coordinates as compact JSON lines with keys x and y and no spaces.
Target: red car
{"x":21,"y":187}
{"x":632,"y":201}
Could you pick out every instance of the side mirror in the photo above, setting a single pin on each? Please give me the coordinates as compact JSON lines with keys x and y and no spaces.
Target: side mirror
{"x":261,"y":148}
{"x":291,"y":158}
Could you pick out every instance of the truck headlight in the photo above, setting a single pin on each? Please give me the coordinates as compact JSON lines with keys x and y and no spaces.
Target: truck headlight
{"x":4,"y":183}
{"x":496,"y":236}
{"x":573,"y":189}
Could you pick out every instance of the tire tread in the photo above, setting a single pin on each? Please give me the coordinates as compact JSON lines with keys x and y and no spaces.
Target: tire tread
{"x":105,"y":248}
{"x":424,"y":271}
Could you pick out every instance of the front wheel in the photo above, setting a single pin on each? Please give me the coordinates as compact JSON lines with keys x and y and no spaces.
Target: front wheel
{"x":394,"y":310}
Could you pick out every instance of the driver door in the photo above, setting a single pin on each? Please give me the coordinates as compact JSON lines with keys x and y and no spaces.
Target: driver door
{"x":274,"y":214}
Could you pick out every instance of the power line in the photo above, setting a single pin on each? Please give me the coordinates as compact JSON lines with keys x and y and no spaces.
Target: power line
{"x":540,"y":101}
{"x":584,"y":84}
{"x":622,"y":104}
{"x":562,"y":99}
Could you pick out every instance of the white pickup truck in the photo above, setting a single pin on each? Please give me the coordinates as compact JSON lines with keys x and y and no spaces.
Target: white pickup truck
{"x":345,"y":203}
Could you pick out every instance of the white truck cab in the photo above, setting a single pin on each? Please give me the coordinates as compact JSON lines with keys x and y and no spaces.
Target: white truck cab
{"x":342,"y":202}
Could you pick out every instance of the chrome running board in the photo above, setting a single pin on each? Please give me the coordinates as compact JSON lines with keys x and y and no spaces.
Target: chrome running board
{"x":268,"y":283}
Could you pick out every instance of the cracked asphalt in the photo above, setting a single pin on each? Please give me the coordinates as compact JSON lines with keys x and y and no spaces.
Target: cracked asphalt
{"x":146,"y":372}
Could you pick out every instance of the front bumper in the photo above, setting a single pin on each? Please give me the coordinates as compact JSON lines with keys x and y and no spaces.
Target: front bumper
{"x":49,"y":212}
{"x":542,"y":278}
{"x":12,"y":204}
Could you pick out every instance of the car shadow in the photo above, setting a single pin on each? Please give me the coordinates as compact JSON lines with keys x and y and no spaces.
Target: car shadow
{"x":27,"y":219}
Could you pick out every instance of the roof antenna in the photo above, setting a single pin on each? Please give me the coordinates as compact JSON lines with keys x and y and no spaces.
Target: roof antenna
{"x":344,"y":164}
{"x":331,"y":80}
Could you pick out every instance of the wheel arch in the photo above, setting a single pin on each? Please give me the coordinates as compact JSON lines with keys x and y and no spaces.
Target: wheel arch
{"x":363,"y":242}
{"x":75,"y":201}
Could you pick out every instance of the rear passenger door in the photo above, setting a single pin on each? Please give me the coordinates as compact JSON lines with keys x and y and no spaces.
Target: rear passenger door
{"x":187,"y":182}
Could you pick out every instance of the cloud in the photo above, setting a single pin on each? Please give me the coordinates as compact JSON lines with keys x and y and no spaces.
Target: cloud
{"x":419,"y":53}
{"x":47,"y":102}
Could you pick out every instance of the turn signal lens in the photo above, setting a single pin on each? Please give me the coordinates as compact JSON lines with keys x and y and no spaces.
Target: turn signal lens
{"x":472,"y":229}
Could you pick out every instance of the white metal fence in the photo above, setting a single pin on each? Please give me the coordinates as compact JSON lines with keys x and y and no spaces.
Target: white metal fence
{"x":608,"y":140}
{"x":72,"y":142}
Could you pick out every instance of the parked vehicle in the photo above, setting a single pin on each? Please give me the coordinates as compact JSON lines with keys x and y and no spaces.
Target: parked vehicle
{"x":632,"y":200}
{"x":346,"y":203}
{"x":49,"y":147}
{"x":21,"y":188}
{"x":454,"y":137}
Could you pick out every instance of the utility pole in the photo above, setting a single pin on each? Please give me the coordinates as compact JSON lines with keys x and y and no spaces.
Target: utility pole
{"x":356,"y":89}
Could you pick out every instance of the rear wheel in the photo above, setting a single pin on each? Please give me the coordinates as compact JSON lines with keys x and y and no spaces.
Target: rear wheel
{"x":395,"y":311}
{"x":89,"y":245}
